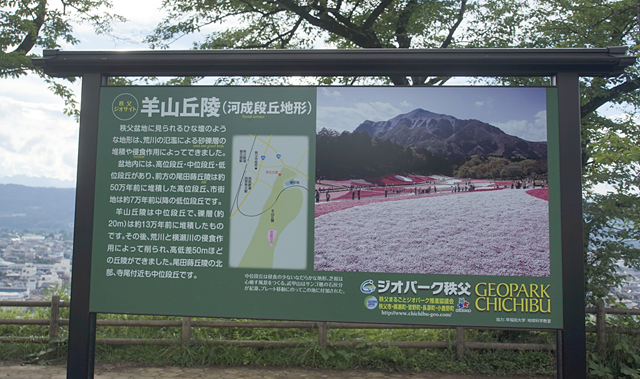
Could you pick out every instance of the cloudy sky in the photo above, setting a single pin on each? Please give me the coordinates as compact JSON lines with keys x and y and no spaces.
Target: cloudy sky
{"x":36,"y":138}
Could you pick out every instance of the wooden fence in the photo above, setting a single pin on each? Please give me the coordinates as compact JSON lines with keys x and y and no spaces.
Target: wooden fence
{"x":187,"y":323}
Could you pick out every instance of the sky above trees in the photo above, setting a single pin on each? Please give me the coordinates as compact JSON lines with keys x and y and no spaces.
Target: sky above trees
{"x":36,"y":138}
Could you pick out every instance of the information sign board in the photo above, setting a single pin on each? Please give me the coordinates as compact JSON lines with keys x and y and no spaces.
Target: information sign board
{"x":330,"y":203}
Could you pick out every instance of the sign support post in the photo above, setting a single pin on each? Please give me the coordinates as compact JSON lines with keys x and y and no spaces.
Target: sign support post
{"x":572,"y":350}
{"x":82,"y":323}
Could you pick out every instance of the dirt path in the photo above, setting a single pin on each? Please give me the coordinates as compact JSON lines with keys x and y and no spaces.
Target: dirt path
{"x":133,"y":371}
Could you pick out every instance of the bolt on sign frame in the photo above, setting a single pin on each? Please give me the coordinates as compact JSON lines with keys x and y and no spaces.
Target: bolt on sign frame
{"x":564,"y":66}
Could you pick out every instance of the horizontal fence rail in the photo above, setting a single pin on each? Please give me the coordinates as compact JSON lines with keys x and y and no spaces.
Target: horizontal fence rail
{"x":55,"y":322}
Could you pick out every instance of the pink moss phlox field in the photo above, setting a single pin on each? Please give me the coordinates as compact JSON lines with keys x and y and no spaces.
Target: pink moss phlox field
{"x":362,"y":183}
{"x":422,"y":178}
{"x":345,"y":202}
{"x":540,"y":193}
{"x":369,"y":192}
{"x":504,"y":233}
{"x":335,"y":183}
{"x":393,"y":180}
{"x":323,"y":208}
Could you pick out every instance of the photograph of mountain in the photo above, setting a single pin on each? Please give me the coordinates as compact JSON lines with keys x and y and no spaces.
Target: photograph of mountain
{"x":418,"y":180}
{"x":449,"y":137}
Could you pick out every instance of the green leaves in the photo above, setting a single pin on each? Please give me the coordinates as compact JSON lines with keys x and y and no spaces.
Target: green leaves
{"x":302,"y":24}
{"x":621,"y":361}
{"x":611,"y":155}
{"x":613,"y":148}
{"x":598,"y":369}
{"x":27,"y":24}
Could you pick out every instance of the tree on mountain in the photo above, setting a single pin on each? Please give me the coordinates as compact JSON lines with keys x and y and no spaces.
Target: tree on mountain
{"x":29,"y":25}
{"x":491,"y":167}
{"x":349,"y":155}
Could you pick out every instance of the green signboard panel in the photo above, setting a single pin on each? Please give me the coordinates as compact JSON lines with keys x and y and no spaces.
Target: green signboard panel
{"x":329,"y":203}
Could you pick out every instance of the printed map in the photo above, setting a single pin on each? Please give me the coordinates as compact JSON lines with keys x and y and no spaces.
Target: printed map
{"x":269,"y":197}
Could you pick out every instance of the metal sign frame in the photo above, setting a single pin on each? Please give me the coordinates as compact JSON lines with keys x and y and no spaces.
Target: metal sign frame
{"x":564,"y":66}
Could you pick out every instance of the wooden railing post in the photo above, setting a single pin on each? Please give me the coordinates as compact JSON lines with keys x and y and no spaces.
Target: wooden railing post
{"x":322,"y":334}
{"x":186,"y":323}
{"x":186,"y":331}
{"x":460,"y":341}
{"x":601,"y":322}
{"x":54,"y":318}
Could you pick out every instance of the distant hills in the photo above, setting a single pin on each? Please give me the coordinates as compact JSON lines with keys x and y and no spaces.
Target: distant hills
{"x":451,"y":138}
{"x":36,"y":208}
{"x":33,"y":181}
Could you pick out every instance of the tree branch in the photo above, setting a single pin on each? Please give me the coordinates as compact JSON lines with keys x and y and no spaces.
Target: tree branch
{"x":404,"y":41}
{"x":399,"y":80}
{"x":355,"y":6}
{"x":638,"y":15}
{"x":597,"y":101}
{"x":447,"y":41}
{"x":368,"y":23}
{"x":438,"y":80}
{"x":346,"y":21}
{"x":30,"y":39}
{"x":285,"y":41}
{"x":328,"y":23}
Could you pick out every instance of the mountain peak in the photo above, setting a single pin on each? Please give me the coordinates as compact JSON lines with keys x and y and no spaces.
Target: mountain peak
{"x":449,"y":137}
{"x":417,"y":112}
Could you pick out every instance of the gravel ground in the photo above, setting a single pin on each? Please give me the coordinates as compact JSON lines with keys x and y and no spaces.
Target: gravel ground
{"x":131,"y":371}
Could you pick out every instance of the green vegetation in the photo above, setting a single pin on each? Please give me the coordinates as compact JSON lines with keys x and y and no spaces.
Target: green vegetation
{"x":393,"y":358}
{"x":619,"y":358}
{"x":310,"y":355}
{"x":477,"y":167}
{"x":610,"y":152}
{"x":27,"y":25}
{"x":343,"y":155}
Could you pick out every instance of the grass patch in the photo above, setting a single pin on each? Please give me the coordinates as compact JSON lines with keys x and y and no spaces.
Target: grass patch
{"x":311,"y":355}
{"x":442,"y":360}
